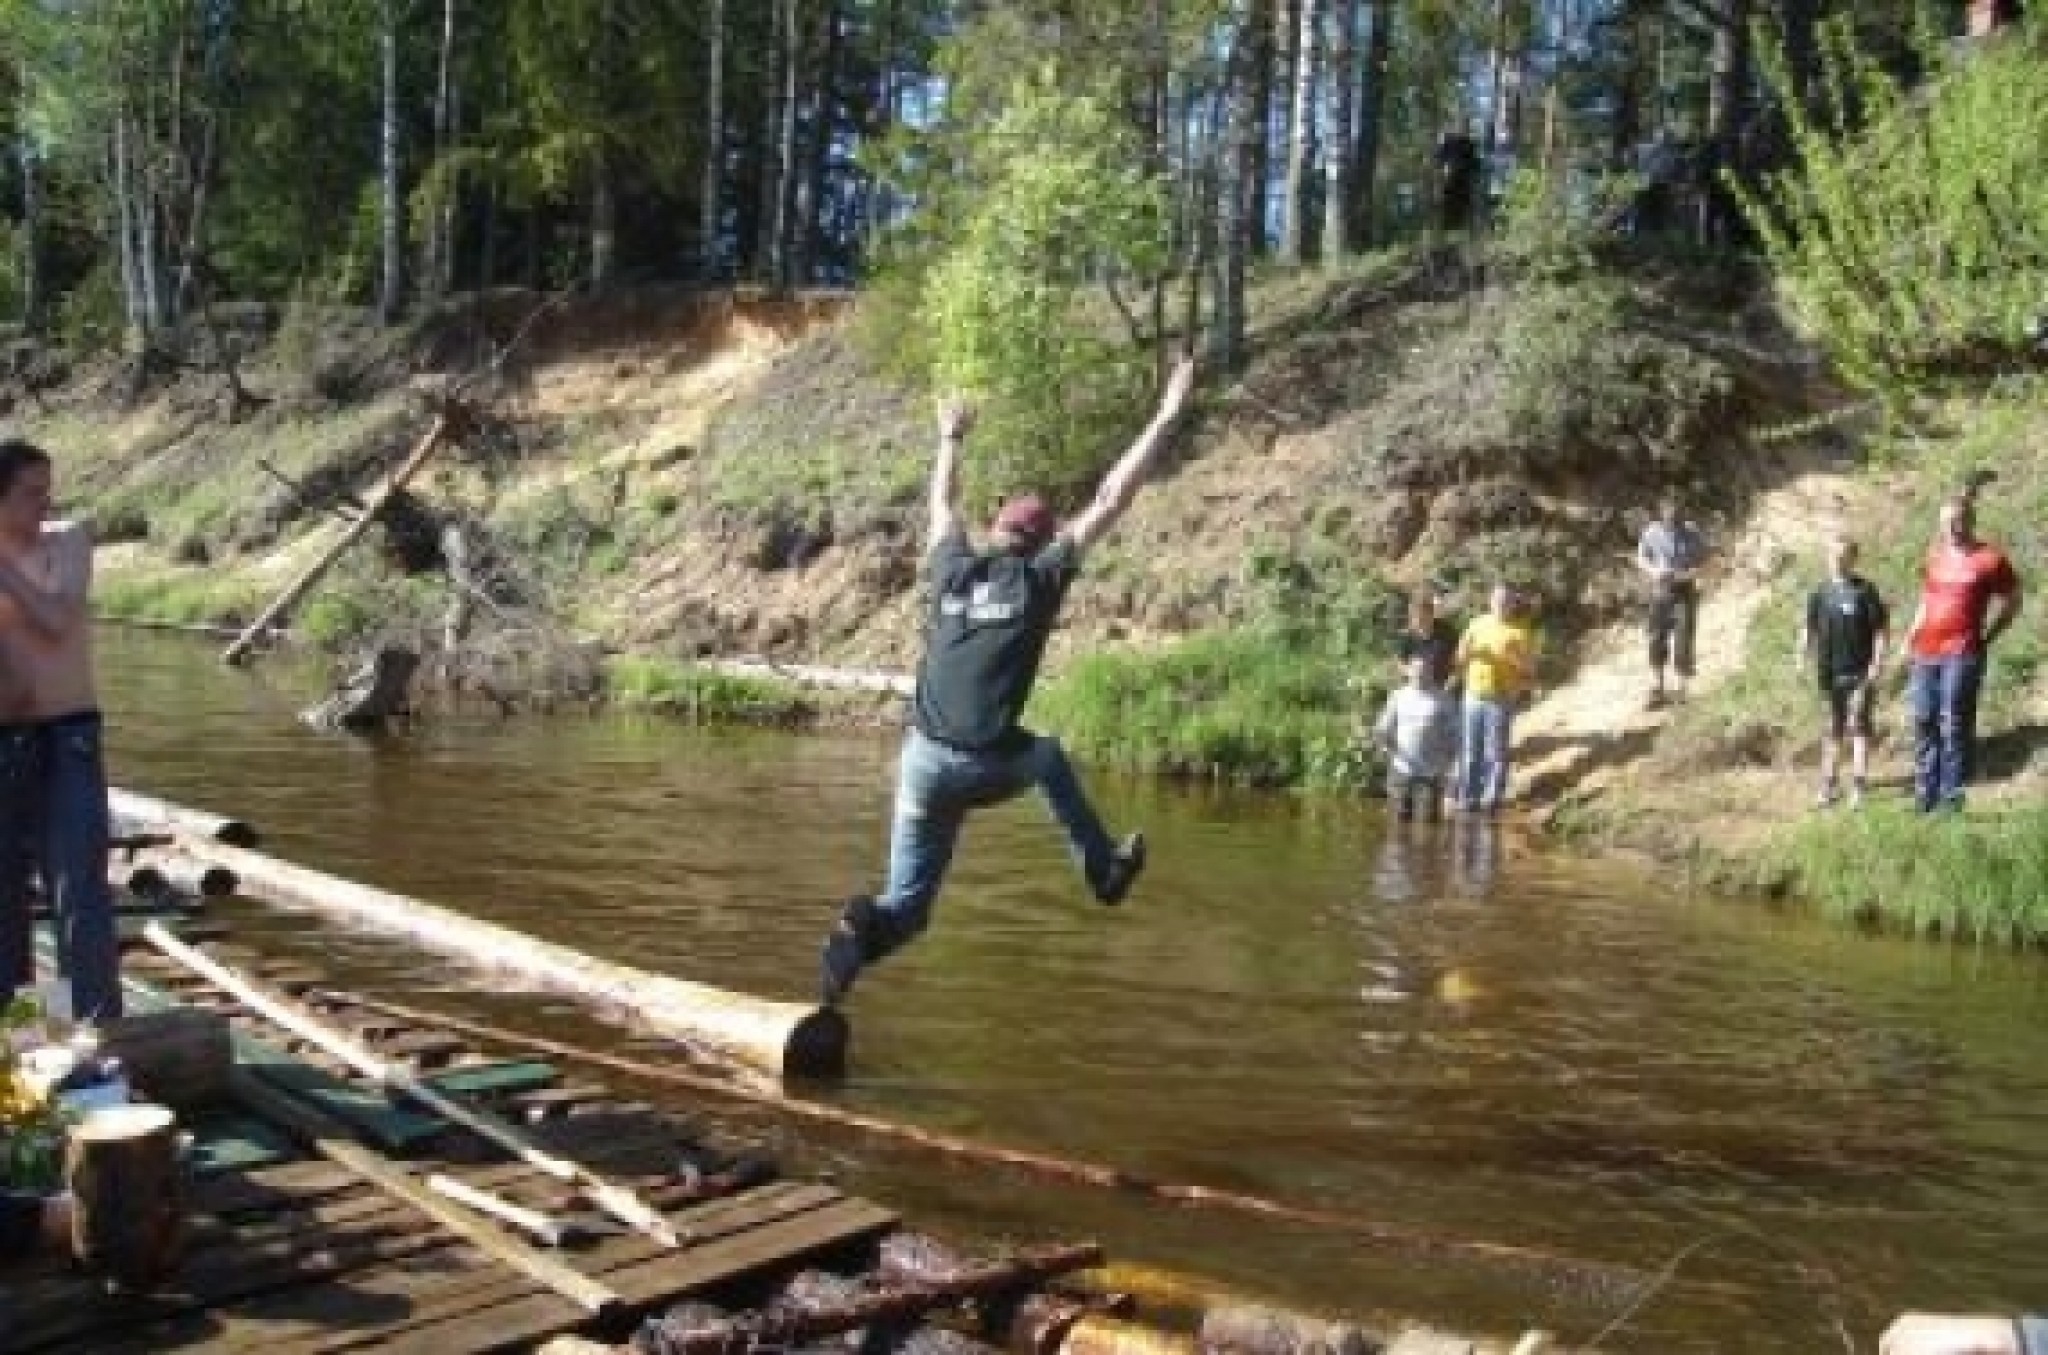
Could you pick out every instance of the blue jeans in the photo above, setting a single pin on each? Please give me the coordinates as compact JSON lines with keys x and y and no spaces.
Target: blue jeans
{"x":938,"y":785}
{"x":1483,"y":753}
{"x":53,"y":820}
{"x":1943,"y":694}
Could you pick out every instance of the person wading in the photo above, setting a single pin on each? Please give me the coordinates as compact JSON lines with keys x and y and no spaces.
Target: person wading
{"x":53,"y":787}
{"x":991,"y":613}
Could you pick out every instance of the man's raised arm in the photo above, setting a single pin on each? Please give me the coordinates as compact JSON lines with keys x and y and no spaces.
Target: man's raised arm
{"x":956,"y":418}
{"x":1127,"y":476}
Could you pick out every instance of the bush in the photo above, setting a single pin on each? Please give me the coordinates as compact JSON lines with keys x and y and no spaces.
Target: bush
{"x":703,"y":695}
{"x":1911,"y":233}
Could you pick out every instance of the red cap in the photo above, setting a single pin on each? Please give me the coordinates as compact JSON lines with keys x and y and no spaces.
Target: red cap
{"x":1028,"y":517}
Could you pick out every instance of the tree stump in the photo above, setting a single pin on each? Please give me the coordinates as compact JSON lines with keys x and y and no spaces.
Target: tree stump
{"x":372,"y":696}
{"x":128,"y":1221}
{"x":178,"y":1058}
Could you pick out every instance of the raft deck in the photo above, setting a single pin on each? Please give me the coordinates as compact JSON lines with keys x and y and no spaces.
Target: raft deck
{"x":293,"y":1253}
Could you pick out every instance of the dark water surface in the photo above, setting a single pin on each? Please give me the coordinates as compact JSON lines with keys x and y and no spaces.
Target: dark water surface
{"x":1463,"y":1035}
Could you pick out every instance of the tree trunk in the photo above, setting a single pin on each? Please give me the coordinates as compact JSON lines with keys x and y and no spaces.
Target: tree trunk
{"x":1160,"y":116}
{"x":1372,"y":104}
{"x":709,"y":252}
{"x":135,"y":313}
{"x":782,"y":239}
{"x":1338,"y":155}
{"x":1265,"y":59}
{"x":31,"y":235}
{"x":604,"y":223}
{"x":1727,"y":104}
{"x":1235,"y":226}
{"x":824,"y":107}
{"x":1300,"y":134}
{"x":767,"y":185}
{"x":391,"y":284}
{"x":437,"y":251}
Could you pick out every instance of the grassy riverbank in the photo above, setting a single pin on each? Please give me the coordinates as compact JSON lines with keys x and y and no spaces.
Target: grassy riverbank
{"x":1728,"y":785}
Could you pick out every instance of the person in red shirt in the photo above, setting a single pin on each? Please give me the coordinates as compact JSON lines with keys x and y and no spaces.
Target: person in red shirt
{"x":1969,"y":595}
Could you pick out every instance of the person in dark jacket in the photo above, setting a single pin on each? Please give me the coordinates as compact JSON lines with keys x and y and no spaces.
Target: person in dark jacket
{"x":992,"y":610}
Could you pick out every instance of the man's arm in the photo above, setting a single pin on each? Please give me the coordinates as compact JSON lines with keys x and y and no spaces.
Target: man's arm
{"x":1127,"y":476}
{"x":2006,"y":610}
{"x":956,"y":418}
{"x":58,"y":610}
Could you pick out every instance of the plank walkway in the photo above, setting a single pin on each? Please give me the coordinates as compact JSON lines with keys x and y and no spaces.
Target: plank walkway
{"x":294,"y":1255}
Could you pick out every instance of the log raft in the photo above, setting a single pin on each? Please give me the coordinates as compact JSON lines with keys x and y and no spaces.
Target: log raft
{"x":297,"y":1254}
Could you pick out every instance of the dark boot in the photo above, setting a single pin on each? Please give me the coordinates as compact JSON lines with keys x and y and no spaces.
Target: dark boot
{"x":1124,"y":869}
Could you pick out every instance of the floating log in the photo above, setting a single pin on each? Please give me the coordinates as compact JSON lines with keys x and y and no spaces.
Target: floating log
{"x":149,"y":813}
{"x":785,"y":1039}
{"x":810,"y":675}
{"x":178,"y":1058}
{"x":1098,"y":1335}
{"x":445,"y":428}
{"x":1248,"y":1329}
{"x":128,"y":1217}
{"x":175,"y":876}
{"x":330,"y":1139}
{"x":786,"y":1327}
{"x":621,"y":1203}
{"x":1598,"y":1275}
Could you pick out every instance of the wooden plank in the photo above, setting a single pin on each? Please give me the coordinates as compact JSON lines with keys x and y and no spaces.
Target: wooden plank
{"x":657,"y":1280}
{"x":422,"y":1047}
{"x":393,"y":1128}
{"x":224,"y":1142}
{"x":508,"y":1077}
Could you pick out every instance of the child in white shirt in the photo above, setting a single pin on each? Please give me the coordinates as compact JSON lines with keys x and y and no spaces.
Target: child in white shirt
{"x":1418,"y":730}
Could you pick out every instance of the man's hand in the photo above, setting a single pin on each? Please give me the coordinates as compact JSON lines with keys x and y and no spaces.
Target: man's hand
{"x":1934,"y":1334}
{"x":956,"y":418}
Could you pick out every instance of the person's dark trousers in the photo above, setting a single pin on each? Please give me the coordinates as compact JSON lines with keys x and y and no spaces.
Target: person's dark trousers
{"x":21,"y":794}
{"x":1943,"y":694}
{"x":1674,"y":621}
{"x":72,"y":852}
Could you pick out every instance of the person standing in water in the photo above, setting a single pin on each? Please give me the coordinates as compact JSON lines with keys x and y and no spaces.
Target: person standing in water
{"x":1497,"y":658}
{"x":992,"y":611}
{"x":1844,"y":638}
{"x":53,"y":785}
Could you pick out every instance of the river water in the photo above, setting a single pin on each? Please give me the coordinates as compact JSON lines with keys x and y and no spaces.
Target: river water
{"x":1459,"y":1034}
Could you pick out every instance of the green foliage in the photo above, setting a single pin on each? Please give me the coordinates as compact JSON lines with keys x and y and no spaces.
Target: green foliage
{"x":1978,"y":877}
{"x":1278,"y":700}
{"x":186,"y":597}
{"x":1911,"y":234}
{"x":1063,"y":204}
{"x":1547,"y":235}
{"x":703,"y":695}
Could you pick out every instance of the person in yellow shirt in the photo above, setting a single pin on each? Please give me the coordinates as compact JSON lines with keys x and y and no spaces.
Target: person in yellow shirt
{"x":1497,"y":659}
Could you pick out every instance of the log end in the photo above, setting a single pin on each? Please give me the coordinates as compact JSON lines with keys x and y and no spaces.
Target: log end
{"x":237,"y":833}
{"x":817,"y":1045}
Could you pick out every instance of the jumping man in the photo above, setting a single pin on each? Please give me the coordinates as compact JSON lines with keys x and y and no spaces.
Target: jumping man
{"x":992,"y":611}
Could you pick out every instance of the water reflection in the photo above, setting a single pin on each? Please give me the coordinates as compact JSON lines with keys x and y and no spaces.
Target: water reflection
{"x":1447,"y":1029}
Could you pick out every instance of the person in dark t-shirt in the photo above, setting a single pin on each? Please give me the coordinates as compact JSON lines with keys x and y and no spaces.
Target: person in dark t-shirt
{"x":1844,"y":637}
{"x":1428,"y":636}
{"x":992,"y":610}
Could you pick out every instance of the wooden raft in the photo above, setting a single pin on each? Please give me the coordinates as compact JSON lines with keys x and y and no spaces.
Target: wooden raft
{"x":287,"y":1254}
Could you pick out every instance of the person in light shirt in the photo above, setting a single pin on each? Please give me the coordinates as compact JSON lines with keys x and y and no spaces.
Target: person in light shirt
{"x":53,"y":785}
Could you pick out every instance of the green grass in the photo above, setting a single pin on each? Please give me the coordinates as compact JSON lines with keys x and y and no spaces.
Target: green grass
{"x":703,"y":695}
{"x":1977,"y":876}
{"x":186,"y":597}
{"x":1250,"y":706}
